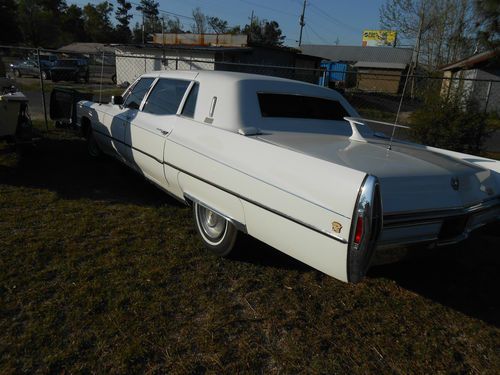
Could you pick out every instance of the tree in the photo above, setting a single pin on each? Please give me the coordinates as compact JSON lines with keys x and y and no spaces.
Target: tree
{"x":150,"y":12}
{"x":174,"y":25}
{"x":122,"y":15}
{"x":219,"y":26}
{"x":73,"y":25}
{"x":39,"y":26}
{"x":9,"y":27}
{"x":444,"y":27}
{"x":200,"y":22}
{"x":488,"y":22}
{"x":272,"y":34}
{"x":264,"y":33}
{"x":451,"y":123}
{"x":97,"y":22}
{"x":137,"y":34}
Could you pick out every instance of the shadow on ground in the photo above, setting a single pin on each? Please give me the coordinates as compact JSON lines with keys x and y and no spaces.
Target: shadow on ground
{"x":464,"y":277}
{"x":62,"y":165}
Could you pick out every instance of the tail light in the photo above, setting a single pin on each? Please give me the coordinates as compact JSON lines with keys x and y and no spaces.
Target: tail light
{"x":358,"y":235}
{"x":365,"y":228}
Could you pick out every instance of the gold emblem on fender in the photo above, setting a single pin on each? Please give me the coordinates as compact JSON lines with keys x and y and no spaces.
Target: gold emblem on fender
{"x":336,"y":226}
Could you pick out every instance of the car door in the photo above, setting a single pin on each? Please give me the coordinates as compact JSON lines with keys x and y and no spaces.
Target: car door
{"x":151,"y":125}
{"x":117,"y":117}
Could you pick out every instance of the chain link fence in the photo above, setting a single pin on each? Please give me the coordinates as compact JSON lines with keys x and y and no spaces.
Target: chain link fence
{"x":375,"y":93}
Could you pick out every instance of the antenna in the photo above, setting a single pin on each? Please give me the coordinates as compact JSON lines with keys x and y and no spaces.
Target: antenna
{"x":301,"y":22}
{"x":416,"y":48}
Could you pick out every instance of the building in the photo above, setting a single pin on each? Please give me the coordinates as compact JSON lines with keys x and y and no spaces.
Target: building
{"x":213,"y":52}
{"x":476,"y":77}
{"x":378,"y":69}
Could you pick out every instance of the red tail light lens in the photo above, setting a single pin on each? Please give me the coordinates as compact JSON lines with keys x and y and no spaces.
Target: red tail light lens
{"x":359,"y":230}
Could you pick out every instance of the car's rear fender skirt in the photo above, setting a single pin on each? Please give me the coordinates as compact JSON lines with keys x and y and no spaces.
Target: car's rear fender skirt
{"x":217,"y":200}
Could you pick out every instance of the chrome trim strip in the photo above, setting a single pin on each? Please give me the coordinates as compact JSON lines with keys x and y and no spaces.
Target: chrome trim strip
{"x":412,"y":216}
{"x":264,"y":207}
{"x":258,"y":179}
{"x":297,"y":221}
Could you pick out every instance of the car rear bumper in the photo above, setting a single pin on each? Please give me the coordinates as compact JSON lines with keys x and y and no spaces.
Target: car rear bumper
{"x":442,"y":227}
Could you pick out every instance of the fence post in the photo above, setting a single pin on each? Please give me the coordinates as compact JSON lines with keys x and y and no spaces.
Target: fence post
{"x":102,"y":73}
{"x":43,"y":89}
{"x":488,"y":92}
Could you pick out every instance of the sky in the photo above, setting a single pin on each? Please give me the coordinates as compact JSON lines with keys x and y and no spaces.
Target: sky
{"x":326,"y":20}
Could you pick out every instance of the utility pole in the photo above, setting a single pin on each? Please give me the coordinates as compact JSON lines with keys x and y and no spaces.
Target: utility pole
{"x":302,"y":23}
{"x":143,"y":27}
{"x":164,"y":60}
{"x":251,"y":19}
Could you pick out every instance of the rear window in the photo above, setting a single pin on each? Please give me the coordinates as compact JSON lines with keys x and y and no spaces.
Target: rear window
{"x":299,"y":106}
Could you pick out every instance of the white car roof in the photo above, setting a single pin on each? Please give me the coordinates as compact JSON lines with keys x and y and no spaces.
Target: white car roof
{"x":237,"y":101}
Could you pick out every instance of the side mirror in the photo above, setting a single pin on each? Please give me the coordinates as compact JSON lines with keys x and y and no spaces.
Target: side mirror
{"x":117,"y":100}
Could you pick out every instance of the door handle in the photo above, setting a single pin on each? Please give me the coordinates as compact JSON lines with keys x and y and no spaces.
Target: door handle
{"x":163,"y":132}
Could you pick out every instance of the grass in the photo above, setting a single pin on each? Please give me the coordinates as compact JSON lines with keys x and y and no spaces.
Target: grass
{"x":103,"y":273}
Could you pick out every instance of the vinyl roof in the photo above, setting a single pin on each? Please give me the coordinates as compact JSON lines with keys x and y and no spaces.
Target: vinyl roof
{"x":358,"y":53}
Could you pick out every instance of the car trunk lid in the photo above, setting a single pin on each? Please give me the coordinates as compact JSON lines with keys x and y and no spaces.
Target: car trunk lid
{"x":411,"y":177}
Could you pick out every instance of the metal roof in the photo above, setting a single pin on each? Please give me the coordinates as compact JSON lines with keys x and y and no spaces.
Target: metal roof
{"x":380,"y":65}
{"x":87,"y":48}
{"x":358,"y":53}
{"x":472,"y":61}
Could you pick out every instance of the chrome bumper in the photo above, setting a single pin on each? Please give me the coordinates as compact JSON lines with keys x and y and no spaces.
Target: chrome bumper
{"x":442,"y":227}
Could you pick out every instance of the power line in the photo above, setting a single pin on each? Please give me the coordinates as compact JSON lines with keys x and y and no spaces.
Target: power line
{"x":269,"y":8}
{"x":330,"y":18}
{"x":318,"y":35}
{"x":167,"y":12}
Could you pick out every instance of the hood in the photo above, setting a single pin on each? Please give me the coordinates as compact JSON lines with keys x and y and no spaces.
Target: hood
{"x":411,"y":177}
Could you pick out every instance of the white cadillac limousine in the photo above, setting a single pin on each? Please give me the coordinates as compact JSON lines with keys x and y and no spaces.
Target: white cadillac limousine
{"x":290,"y":164}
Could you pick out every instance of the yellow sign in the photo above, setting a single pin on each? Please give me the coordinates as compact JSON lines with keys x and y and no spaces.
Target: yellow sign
{"x":375,"y":38}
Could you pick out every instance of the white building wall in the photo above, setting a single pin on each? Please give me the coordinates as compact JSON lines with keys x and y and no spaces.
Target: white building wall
{"x":132,"y":63}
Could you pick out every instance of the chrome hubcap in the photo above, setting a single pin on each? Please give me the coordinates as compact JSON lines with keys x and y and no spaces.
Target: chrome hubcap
{"x":212,"y":224}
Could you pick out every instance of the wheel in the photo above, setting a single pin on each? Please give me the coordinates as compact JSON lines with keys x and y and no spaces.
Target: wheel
{"x":113,"y":78}
{"x":92,"y":146}
{"x":17,"y":73}
{"x":218,"y":234}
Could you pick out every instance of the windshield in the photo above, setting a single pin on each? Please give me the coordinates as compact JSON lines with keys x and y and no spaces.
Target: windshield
{"x":66,"y":63}
{"x":299,"y":106}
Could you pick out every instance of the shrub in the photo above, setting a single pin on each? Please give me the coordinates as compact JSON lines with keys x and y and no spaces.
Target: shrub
{"x":451,"y":124}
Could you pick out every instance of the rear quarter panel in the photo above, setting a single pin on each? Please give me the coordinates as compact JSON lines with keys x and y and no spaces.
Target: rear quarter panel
{"x":279,"y":190}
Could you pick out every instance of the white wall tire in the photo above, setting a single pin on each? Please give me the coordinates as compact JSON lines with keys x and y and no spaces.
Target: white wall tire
{"x":218,"y":234}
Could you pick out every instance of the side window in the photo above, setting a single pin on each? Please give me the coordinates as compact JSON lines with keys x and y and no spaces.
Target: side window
{"x":166,"y":97}
{"x":190,"y":104}
{"x":137,"y":93}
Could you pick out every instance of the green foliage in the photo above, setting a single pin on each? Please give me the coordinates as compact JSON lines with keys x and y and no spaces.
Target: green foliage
{"x":150,"y":12}
{"x":218,"y":25}
{"x":488,"y":22}
{"x":9,"y":28}
{"x":264,"y":33}
{"x":97,"y":22}
{"x":451,"y":123}
{"x":123,"y":17}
